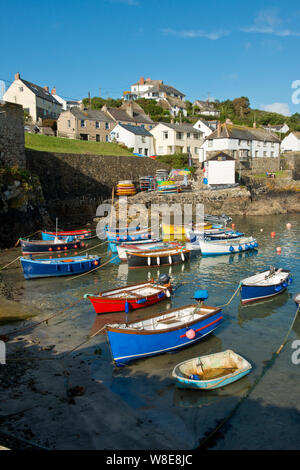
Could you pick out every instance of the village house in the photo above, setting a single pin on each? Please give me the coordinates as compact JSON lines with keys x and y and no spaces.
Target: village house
{"x":281,"y":128}
{"x":36,"y":100}
{"x":176,"y":138}
{"x":66,"y":104}
{"x":206,"y":108}
{"x":134,"y":137}
{"x":241,"y":143}
{"x":85,"y":124}
{"x":129,"y":113}
{"x":291,"y":143}
{"x":166,"y":96}
{"x":206,"y":127}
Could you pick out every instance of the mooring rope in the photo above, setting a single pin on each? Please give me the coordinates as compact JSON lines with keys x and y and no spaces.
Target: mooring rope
{"x":256,"y":382}
{"x":88,"y":272}
{"x":3,"y":267}
{"x":232,"y":297}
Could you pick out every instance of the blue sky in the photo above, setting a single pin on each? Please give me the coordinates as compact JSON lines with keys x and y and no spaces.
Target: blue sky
{"x":217,"y":49}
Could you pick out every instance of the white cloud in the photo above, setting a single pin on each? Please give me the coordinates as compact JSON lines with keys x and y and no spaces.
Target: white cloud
{"x":280,"y":108}
{"x":198,"y":33}
{"x":269,"y":22}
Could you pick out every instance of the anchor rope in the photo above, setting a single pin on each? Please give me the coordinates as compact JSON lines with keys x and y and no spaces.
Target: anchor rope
{"x":256,"y":382}
{"x":3,"y":267}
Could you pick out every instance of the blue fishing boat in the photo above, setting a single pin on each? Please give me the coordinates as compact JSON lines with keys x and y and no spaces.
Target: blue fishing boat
{"x":265,"y":284}
{"x":49,"y":246}
{"x":69,"y":235}
{"x":54,"y":267}
{"x":212,"y":371}
{"x":161,"y":333}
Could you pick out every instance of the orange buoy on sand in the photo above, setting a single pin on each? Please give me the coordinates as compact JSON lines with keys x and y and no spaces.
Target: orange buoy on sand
{"x":273,"y":234}
{"x":232,"y":225}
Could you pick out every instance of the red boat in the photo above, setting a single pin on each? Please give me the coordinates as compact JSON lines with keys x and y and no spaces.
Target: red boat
{"x":81,"y":234}
{"x":131,"y":297}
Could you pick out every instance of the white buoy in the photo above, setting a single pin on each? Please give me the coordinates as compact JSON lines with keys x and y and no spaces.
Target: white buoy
{"x":170,"y":259}
{"x":149,"y":261}
{"x":158,"y":260}
{"x":288,"y":226}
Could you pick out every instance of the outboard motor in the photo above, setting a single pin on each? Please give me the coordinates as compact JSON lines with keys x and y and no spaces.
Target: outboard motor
{"x":163,"y":279}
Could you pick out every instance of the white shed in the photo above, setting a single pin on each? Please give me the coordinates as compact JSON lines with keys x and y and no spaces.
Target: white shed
{"x":220,"y":169}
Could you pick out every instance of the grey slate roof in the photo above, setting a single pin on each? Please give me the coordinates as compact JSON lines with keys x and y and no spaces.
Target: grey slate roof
{"x":243,"y":133}
{"x":137,"y":130}
{"x":90,"y":114}
{"x":184,"y":127}
{"x":166,"y":88}
{"x":120,"y":114}
{"x":40,"y":92}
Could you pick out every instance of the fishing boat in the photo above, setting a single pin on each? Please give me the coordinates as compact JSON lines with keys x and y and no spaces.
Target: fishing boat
{"x":180,"y":231}
{"x":139,"y":245}
{"x":55,"y":267}
{"x":223,"y":247}
{"x":265,"y":284}
{"x":161,"y":333}
{"x":132,"y":297}
{"x":123,"y":236}
{"x":220,"y":220}
{"x":48,"y":246}
{"x":69,"y":235}
{"x":159,"y":257}
{"x":211,"y":371}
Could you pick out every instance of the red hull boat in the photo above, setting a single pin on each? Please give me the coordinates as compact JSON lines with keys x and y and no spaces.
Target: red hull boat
{"x":130,"y":297}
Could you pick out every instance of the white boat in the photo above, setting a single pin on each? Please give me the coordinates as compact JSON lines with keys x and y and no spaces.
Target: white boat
{"x":223,"y":247}
{"x":211,"y":371}
{"x":138,"y":245}
{"x":265,"y":284}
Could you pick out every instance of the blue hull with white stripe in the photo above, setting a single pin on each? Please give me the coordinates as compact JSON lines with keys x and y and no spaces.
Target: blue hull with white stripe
{"x":128,"y":344}
{"x":56,"y":267}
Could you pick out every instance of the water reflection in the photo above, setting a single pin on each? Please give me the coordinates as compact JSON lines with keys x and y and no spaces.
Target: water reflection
{"x":261,"y":309}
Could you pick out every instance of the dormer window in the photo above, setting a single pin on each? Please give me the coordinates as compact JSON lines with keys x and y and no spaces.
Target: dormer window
{"x":21,"y":89}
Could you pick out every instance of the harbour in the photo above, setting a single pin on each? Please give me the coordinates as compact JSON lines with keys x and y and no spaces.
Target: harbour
{"x":139,"y":406}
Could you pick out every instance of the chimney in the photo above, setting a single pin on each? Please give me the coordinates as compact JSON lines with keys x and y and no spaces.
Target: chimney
{"x":46,"y":88}
{"x":142,"y":81}
{"x":219,"y":129}
{"x":254,"y":125}
{"x":17,"y":76}
{"x":148,"y":79}
{"x":53,"y":91}
{"x":129,"y":109}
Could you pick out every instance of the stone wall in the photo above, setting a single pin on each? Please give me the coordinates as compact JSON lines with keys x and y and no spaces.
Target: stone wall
{"x":74,"y":185}
{"x":291,"y":161}
{"x":12,"y":151}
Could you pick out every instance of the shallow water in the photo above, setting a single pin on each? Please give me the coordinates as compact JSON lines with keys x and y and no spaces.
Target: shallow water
{"x":254,"y":331}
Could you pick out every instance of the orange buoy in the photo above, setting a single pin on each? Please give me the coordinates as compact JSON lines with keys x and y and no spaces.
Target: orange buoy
{"x":273,"y":234}
{"x":278,"y":249}
{"x":232,"y":225}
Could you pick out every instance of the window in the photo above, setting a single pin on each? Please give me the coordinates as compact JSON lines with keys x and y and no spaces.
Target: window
{"x":196,"y":136}
{"x":272,"y":154}
{"x":265,"y":154}
{"x":210,"y":143}
{"x":69,"y":123}
{"x":179,"y":135}
{"x":21,"y":88}
{"x":97,"y":125}
{"x":272,"y":144}
{"x":188,"y":149}
{"x":140,"y":151}
{"x":188,"y":135}
{"x":265,"y":144}
{"x":256,"y":153}
{"x":150,"y":127}
{"x":196,"y":150}
{"x":165,"y":134}
{"x":146,"y":152}
{"x":107,"y":125}
{"x":82,"y":123}
{"x":97,"y":138}
{"x":106,"y":138}
{"x":143,"y":139}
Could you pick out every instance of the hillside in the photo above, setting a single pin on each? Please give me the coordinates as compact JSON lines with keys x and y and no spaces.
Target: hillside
{"x":59,"y":145}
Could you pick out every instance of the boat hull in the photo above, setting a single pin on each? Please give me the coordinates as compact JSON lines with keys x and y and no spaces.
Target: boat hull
{"x":33,"y":269}
{"x":255,"y":293}
{"x":145,"y":244}
{"x":214,"y":248}
{"x":135,"y":260}
{"x":102,"y":305}
{"x":67,"y":235}
{"x":128,"y":346}
{"x":40,"y":246}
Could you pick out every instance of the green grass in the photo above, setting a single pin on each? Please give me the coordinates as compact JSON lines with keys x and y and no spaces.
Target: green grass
{"x":59,"y":145}
{"x":279,"y":174}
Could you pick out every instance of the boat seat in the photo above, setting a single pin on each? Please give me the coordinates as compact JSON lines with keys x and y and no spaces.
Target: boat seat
{"x":167,"y":320}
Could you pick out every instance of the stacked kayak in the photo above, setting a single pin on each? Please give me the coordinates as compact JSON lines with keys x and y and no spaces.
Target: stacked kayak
{"x":34,"y":268}
{"x":125,"y":188}
{"x":167,"y":187}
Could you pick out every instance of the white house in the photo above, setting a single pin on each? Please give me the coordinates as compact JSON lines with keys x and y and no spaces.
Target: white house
{"x":176,"y":138}
{"x":165,"y":95}
{"x":135,"y":137}
{"x":36,"y":100}
{"x":242,"y":142}
{"x":220,"y":169}
{"x":291,"y":143}
{"x":66,"y":104}
{"x":206,"y":108}
{"x":282,"y":128}
{"x":206,"y":127}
